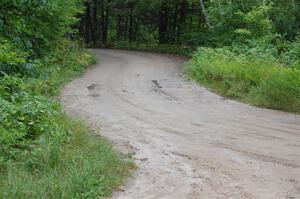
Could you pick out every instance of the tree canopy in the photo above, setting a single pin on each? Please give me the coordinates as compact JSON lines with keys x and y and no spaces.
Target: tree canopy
{"x":193,"y":22}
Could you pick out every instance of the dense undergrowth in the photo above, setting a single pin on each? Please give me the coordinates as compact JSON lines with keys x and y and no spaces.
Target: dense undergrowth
{"x":259,"y":61}
{"x":265,"y":82}
{"x":43,"y":152}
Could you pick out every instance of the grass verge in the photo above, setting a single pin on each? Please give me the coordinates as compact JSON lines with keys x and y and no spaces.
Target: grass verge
{"x":261,"y":82}
{"x":44,"y":153}
{"x":81,"y":167}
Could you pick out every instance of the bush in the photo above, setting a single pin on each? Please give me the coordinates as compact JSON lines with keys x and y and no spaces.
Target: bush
{"x":35,"y":27}
{"x":280,"y":90}
{"x":78,"y":167}
{"x":260,"y":81}
{"x":44,"y":154}
{"x":292,"y":54}
{"x":24,"y":117}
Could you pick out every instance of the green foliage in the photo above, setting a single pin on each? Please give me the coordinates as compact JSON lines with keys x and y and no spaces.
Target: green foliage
{"x":44,"y":154}
{"x":27,"y":113}
{"x":35,"y":26}
{"x":260,"y":81}
{"x":292,"y":54}
{"x":79,"y":167}
{"x":8,"y":54}
{"x":285,"y":16}
{"x":68,"y":59}
{"x":24,"y":117}
{"x":11,"y":59}
{"x":255,"y":22}
{"x":279,"y":90}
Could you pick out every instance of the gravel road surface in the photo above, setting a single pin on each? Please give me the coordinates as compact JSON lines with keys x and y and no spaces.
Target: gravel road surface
{"x":189,"y":143}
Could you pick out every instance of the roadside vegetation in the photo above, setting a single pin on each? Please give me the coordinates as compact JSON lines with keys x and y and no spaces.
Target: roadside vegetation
{"x":262,"y":82}
{"x":245,"y":50}
{"x":260,"y":66}
{"x":43,"y":152}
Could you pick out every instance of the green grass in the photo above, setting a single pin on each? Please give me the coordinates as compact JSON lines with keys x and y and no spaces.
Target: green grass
{"x":261,"y":82}
{"x":85,"y":167}
{"x":44,"y":153}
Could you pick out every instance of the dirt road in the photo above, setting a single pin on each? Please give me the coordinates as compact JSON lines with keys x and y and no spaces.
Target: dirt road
{"x":188,"y":142}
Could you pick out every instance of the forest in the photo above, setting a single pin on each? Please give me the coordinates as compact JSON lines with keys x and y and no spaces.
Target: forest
{"x":213,"y":23}
{"x":247,"y":50}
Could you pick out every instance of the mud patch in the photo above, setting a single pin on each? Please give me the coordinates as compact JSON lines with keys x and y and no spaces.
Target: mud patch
{"x":156,"y":83}
{"x":93,"y":90}
{"x":95,"y":95}
{"x":93,"y":86}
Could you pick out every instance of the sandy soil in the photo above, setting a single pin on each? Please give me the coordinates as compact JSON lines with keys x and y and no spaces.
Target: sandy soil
{"x":188,"y":142}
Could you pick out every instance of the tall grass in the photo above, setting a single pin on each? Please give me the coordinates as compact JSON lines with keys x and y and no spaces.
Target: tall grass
{"x":82,"y":167}
{"x":43,"y":153}
{"x":262,"y":82}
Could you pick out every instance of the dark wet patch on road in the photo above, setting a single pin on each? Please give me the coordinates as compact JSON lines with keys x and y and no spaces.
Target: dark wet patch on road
{"x":156,"y":83}
{"x":92,"y":86}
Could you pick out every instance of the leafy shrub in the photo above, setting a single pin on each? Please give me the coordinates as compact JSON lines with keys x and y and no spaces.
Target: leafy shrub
{"x":35,"y":27}
{"x":81,"y":167}
{"x":27,"y":114}
{"x":280,"y":90}
{"x":292,"y":55}
{"x":24,"y":117}
{"x":261,"y":81}
{"x":67,"y":61}
{"x":11,"y":60}
{"x":44,"y":154}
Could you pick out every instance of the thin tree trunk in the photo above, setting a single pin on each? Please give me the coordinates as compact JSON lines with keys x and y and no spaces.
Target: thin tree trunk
{"x":182,"y":16}
{"x":118,"y":28}
{"x":130,"y":34}
{"x":95,"y":33}
{"x":191,"y":23}
{"x":174,"y":28}
{"x":105,"y":20}
{"x":163,"y":23}
{"x":205,"y":13}
{"x":88,"y":29}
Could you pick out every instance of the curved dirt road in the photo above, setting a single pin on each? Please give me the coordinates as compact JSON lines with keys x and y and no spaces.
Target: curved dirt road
{"x":188,"y":142}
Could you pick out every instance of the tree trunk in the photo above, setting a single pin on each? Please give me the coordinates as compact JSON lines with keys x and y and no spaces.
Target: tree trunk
{"x":163,"y":23}
{"x":105,"y":20}
{"x":182,"y":16}
{"x":95,"y":20}
{"x":130,"y":34}
{"x":205,"y":13}
{"x":118,"y":28}
{"x":88,"y":23}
